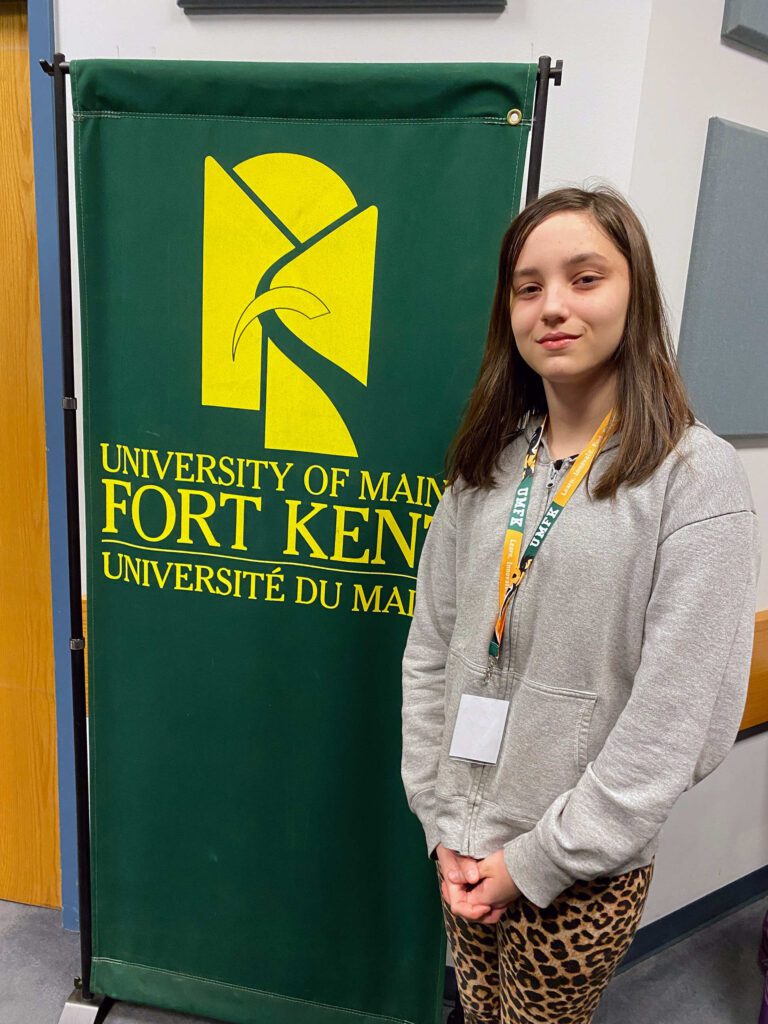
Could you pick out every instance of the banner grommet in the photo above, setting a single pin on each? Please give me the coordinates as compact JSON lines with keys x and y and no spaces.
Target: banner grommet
{"x":514,"y":116}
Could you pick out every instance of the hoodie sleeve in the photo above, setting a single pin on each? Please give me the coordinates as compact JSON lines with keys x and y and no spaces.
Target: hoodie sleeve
{"x":424,"y":662}
{"x":688,"y":694}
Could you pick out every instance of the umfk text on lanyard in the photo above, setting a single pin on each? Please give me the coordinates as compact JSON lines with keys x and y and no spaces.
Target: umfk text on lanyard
{"x":513,"y":567}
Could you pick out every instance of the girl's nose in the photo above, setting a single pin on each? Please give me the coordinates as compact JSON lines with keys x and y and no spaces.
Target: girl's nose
{"x":554,"y":306}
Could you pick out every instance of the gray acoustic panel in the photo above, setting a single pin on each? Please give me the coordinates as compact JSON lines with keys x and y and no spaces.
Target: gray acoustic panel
{"x":746,"y":22}
{"x":723,"y":348}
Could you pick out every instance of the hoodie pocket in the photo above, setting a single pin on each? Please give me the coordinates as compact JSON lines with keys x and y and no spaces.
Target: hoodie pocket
{"x":544,"y":749}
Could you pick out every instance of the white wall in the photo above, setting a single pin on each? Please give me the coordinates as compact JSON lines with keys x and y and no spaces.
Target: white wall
{"x":640,"y":80}
{"x":718,"y":831}
{"x":602,"y":45}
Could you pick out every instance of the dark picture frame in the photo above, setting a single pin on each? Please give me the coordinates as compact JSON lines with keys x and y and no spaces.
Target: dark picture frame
{"x":319,"y":6}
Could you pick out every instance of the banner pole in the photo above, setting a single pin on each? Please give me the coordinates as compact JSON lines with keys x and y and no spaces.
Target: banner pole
{"x":77,"y":643}
{"x":539,"y":120}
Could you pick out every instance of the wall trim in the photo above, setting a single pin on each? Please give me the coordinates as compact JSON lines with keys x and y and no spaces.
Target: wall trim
{"x":666,"y":931}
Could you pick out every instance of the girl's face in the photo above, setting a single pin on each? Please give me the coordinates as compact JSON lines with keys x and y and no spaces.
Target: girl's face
{"x":570,"y":279}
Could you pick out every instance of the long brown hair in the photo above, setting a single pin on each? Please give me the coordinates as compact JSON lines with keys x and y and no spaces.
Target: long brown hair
{"x":651,"y":411}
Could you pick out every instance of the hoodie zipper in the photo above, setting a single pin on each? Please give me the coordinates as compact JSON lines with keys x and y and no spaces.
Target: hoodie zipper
{"x":481,"y":775}
{"x":554,"y":475}
{"x":550,"y":481}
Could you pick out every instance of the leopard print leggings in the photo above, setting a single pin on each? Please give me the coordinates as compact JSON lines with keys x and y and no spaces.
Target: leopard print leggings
{"x":547,"y":966}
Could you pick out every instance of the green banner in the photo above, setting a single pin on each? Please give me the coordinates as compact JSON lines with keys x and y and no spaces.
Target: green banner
{"x":286,"y":273}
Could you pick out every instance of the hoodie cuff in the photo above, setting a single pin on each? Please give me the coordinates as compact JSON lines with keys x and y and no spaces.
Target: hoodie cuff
{"x":533,"y":871}
{"x":423,"y":806}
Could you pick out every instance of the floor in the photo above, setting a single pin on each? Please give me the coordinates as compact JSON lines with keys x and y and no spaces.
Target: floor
{"x":710,"y":977}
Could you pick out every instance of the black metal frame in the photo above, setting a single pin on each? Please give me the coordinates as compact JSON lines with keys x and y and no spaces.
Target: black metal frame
{"x":69,"y":403}
{"x":58,"y":70}
{"x":545,"y":73}
{"x":202,"y":7}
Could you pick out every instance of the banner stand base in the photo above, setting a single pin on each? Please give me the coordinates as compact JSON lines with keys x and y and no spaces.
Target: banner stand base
{"x":78,"y":1010}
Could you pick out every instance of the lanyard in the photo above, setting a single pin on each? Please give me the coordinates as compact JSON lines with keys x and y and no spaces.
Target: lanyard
{"x":513,"y":568}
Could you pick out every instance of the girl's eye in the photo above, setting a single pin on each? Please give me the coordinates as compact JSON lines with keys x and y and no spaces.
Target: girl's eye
{"x":531,"y":289}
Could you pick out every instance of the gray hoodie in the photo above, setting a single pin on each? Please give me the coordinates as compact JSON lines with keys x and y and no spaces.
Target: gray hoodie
{"x":626,"y":660}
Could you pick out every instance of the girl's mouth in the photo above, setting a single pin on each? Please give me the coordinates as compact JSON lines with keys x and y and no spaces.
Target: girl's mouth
{"x":556,"y":343}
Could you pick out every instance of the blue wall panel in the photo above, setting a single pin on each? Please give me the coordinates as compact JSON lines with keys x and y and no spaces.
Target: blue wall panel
{"x":41,"y":45}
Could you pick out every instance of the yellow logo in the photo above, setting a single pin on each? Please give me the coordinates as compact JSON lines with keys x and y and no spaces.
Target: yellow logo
{"x":288,"y":261}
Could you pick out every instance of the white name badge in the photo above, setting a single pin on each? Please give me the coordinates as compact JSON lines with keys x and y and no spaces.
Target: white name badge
{"x":479,"y":728}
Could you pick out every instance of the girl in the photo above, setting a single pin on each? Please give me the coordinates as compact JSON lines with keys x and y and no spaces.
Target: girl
{"x":582,"y":632}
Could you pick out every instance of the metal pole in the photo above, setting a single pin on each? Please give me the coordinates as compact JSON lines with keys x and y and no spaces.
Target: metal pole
{"x":539,"y":120}
{"x":58,"y":70}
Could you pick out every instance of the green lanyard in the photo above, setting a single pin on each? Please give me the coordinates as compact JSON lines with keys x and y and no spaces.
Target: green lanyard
{"x":513,"y":567}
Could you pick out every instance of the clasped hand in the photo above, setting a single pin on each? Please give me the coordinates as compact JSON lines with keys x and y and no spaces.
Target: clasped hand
{"x":479,"y":890}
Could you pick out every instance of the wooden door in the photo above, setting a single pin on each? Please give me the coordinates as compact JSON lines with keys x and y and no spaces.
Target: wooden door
{"x":29,"y":812}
